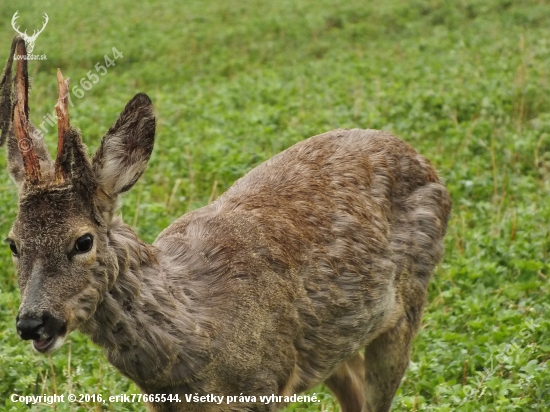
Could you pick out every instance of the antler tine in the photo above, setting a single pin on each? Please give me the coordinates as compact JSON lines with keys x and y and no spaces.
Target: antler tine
{"x":46,"y":20}
{"x":21,"y":116}
{"x":13,"y":19}
{"x":35,"y":33}
{"x":63,"y":125}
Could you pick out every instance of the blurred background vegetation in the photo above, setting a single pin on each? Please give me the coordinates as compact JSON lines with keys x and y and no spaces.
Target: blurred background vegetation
{"x":235,"y":82}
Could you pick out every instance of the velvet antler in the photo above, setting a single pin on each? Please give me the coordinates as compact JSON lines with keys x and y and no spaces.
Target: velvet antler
{"x":6,"y":106}
{"x":63,"y":125}
{"x":21,"y":115}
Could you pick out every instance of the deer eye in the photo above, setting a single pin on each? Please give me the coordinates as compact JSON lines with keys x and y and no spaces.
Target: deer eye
{"x":84,"y":243}
{"x":13,"y":247}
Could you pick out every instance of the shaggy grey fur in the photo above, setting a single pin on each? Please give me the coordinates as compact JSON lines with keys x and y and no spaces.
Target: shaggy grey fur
{"x":321,"y":252}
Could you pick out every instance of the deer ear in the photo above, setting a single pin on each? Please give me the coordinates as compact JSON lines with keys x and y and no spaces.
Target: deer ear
{"x":126,"y":148}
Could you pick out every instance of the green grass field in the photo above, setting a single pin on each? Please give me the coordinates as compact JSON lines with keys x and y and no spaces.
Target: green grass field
{"x":235,"y":82}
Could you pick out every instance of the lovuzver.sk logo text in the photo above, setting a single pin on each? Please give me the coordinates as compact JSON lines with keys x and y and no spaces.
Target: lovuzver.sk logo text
{"x":29,"y":40}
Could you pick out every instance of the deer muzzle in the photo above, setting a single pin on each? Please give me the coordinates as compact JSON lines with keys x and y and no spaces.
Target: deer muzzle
{"x":46,"y":331}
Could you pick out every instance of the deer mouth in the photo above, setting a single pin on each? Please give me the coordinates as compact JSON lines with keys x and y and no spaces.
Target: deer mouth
{"x":46,"y":331}
{"x":42,"y":345}
{"x":49,"y":343}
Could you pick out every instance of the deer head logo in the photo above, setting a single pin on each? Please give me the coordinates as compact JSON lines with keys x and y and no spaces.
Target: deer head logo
{"x":29,"y":40}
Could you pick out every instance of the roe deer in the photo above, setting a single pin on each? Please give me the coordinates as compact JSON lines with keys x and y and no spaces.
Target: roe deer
{"x":318,"y":255}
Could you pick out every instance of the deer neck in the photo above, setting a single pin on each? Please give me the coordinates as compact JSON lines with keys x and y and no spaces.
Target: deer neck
{"x":144,"y":323}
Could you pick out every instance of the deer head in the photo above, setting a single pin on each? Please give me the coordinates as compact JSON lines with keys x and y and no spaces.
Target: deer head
{"x":59,"y":240}
{"x":30,"y":40}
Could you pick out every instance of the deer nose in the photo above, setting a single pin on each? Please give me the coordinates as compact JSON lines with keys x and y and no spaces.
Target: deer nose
{"x":31,"y":327}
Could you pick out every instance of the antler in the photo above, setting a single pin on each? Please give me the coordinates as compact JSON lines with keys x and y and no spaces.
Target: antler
{"x":21,"y":115}
{"x":63,"y":125}
{"x":6,"y":107}
{"x":36,"y":33}
{"x":15,"y":17}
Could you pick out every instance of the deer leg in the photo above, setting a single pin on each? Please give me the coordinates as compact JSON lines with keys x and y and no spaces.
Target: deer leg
{"x":348,"y":382}
{"x":386,"y":360}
